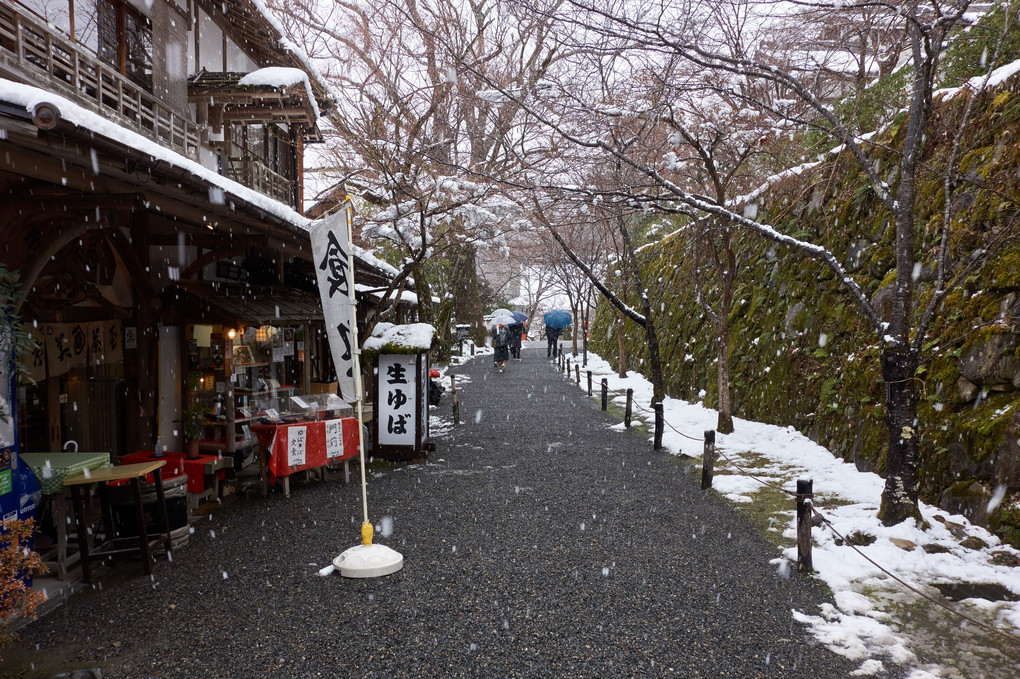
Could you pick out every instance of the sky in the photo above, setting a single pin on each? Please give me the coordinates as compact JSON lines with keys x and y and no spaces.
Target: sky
{"x":875,"y":621}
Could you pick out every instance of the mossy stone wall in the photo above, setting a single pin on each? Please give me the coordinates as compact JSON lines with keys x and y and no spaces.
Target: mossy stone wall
{"x":801,"y":351}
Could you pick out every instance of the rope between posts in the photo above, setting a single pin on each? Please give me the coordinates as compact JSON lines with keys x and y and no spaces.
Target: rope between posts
{"x":686,"y":436}
{"x":828,"y":523}
{"x":1014,"y":650}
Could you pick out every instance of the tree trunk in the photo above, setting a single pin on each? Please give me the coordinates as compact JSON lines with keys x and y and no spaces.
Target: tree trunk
{"x":621,"y":346}
{"x":724,"y":424}
{"x":654,"y":361}
{"x":899,"y":498}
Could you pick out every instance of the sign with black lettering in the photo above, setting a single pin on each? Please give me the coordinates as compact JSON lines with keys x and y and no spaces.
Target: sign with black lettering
{"x":330,"y":250}
{"x":397,"y":401}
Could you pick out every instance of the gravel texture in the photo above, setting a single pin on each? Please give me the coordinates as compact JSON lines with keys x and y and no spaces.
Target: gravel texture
{"x":537,"y":542}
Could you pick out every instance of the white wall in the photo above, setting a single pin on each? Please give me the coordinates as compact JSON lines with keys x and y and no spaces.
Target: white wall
{"x":237,"y":60}
{"x":210,"y":46}
{"x":211,"y":49}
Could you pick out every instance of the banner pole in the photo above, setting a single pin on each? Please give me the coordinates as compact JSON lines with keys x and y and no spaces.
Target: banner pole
{"x":359,"y":387}
{"x":365,"y":560}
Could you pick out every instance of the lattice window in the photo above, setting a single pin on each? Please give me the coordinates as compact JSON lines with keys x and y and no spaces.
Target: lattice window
{"x":125,"y":41}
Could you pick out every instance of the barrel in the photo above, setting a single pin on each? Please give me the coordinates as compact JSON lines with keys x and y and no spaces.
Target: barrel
{"x":125,"y":516}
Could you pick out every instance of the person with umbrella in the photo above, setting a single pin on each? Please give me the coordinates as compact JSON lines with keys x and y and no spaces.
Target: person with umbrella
{"x":555,"y":321}
{"x":501,"y":340}
{"x":516,"y":333}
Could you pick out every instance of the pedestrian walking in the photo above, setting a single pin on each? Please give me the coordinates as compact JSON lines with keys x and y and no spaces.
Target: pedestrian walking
{"x":552,"y":336}
{"x":500,"y":345}
{"x":514,"y":343}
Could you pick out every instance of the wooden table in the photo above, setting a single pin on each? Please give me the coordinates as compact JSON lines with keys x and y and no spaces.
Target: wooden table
{"x":51,"y":469}
{"x":134,"y":473}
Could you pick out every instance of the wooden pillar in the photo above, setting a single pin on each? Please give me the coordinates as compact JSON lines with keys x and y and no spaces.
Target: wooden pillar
{"x":657,"y":443}
{"x":805,"y":495}
{"x":708,"y":460}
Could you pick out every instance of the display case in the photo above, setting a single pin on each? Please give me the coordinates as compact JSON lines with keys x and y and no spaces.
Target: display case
{"x":300,"y":408}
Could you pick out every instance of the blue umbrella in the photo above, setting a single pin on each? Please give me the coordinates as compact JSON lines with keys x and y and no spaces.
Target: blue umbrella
{"x":557,"y":319}
{"x":520,"y":316}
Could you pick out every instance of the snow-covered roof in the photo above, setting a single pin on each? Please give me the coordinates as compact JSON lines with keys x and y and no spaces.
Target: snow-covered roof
{"x":28,"y":96}
{"x":405,"y":295}
{"x":388,"y":338}
{"x":297,"y":52}
{"x":280,"y":77}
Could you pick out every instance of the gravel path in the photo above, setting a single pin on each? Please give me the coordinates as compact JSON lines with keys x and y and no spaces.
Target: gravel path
{"x":537,"y":541}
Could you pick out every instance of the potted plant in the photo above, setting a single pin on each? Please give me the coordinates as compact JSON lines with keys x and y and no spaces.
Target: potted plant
{"x":193,"y":421}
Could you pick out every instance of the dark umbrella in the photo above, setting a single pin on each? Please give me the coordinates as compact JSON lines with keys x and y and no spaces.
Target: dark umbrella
{"x":520,"y":316}
{"x":557,"y":319}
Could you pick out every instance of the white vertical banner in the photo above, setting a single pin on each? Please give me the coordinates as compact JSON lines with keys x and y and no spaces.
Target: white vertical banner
{"x":334,"y":439}
{"x":330,"y":249}
{"x":297,"y":446}
{"x":397,"y":396}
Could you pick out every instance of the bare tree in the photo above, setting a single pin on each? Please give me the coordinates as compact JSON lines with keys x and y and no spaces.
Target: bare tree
{"x":657,"y":33}
{"x":415,"y":137}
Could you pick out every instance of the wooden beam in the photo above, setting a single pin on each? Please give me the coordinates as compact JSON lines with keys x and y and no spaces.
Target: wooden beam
{"x":259,"y":113}
{"x":136,"y":267}
{"x":224,"y":251}
{"x":47,"y":250}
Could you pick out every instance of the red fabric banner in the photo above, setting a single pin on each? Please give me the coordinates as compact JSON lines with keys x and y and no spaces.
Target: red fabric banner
{"x":277,"y":437}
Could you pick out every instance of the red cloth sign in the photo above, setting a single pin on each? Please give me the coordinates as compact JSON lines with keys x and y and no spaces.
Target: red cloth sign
{"x":277,"y":437}
{"x":177,"y":463}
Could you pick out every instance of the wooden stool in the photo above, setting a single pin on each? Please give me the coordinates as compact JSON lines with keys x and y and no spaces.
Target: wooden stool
{"x":134,"y":473}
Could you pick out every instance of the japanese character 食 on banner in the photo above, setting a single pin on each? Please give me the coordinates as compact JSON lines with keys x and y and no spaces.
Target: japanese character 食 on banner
{"x":330,"y":248}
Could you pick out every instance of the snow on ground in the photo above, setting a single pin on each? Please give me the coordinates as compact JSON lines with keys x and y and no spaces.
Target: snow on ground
{"x":862,"y":626}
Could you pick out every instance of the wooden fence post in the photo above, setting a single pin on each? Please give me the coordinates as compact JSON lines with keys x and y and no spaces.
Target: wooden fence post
{"x":657,"y":444}
{"x":708,"y":460}
{"x":454,"y":400}
{"x":630,"y":406}
{"x":805,"y":495}
{"x":577,"y":373}
{"x":589,"y":383}
{"x":605,"y":393}
{"x":567,"y":371}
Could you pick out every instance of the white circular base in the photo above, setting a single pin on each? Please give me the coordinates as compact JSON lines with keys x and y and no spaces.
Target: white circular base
{"x":368,"y":561}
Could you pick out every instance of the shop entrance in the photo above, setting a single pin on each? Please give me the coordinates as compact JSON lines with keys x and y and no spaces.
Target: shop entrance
{"x":84,"y":405}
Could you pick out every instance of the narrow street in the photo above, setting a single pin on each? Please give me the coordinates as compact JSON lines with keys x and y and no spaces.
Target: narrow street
{"x":537,"y":542}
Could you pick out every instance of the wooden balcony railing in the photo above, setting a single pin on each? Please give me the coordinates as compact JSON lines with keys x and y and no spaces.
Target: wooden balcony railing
{"x":255,"y":174}
{"x":30,"y":48}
